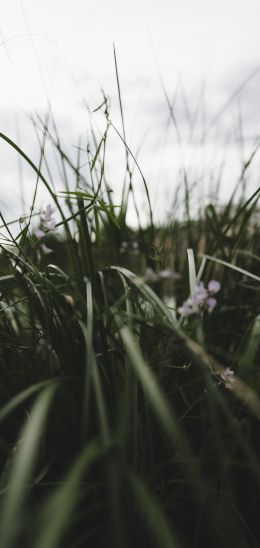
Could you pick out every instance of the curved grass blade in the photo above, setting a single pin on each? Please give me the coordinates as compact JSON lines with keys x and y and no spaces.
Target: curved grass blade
{"x":92,"y":375}
{"x":162,"y":312}
{"x":22,"y":396}
{"x":232,"y":266}
{"x":42,"y":178}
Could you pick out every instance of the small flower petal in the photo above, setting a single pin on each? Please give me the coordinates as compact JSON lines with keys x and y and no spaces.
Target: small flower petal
{"x":228,"y":377}
{"x":200,"y":295}
{"x":39,"y":233}
{"x":150,"y":276}
{"x":45,"y":250}
{"x":214,"y":286}
{"x":49,"y":212}
{"x":186,"y":310}
{"x":169,"y":274}
{"x":50,"y":225}
{"x":211,"y":303}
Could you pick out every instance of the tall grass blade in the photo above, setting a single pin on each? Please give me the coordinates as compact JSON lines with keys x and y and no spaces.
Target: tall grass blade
{"x":157,"y":523}
{"x":56,"y":517}
{"x":21,"y":472}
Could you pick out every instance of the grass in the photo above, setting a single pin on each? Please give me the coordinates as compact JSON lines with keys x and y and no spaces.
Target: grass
{"x":121,"y":423}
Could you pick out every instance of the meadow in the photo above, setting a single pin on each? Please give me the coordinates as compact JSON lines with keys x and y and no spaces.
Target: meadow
{"x":129,"y":357}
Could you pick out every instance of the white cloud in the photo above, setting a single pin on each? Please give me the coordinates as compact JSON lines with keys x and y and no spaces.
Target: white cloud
{"x":70,"y":56}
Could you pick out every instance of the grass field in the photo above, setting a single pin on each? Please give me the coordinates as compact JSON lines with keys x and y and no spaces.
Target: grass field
{"x":130,"y":388}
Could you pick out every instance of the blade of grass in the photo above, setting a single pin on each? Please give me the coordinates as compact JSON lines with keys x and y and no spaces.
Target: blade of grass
{"x":22,"y":469}
{"x":232,"y":266}
{"x":157,"y":522}
{"x":149,"y":384}
{"x":56,"y":516}
{"x":17,"y":400}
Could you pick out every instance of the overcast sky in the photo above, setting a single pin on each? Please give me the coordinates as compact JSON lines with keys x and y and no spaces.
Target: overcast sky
{"x":62,"y":51}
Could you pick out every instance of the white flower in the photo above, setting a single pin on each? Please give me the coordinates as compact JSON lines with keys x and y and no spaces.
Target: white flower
{"x":48,"y":222}
{"x":150,"y":276}
{"x":39,"y":233}
{"x":45,"y":250}
{"x":48,"y":213}
{"x":228,"y":377}
{"x":169,"y":274}
{"x":47,"y":225}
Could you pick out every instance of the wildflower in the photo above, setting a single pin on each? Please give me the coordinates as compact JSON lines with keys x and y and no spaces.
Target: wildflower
{"x":39,"y":233}
{"x":187,"y":309}
{"x":123,"y":247}
{"x":135,"y":248}
{"x":213,"y":287}
{"x":201,"y":294}
{"x":48,"y":221}
{"x":210,"y":303}
{"x":150,"y":276}
{"x":131,"y":247}
{"x":228,"y":377}
{"x":48,"y":224}
{"x":48,"y":213}
{"x":201,"y":300}
{"x":169,"y":274}
{"x":45,"y":250}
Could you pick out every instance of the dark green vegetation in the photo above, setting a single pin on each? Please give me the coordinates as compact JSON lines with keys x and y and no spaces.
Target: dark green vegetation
{"x":119,"y":423}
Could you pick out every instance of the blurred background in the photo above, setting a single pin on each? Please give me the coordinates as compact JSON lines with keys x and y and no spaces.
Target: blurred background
{"x":190,"y":80}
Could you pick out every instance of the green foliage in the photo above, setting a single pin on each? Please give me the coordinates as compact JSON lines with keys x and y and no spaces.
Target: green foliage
{"x":120,"y":423}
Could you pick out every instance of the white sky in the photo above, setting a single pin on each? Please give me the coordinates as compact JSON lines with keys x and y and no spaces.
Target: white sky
{"x":69,"y":55}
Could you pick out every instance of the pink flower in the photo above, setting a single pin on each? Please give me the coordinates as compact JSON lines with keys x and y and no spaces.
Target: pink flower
{"x":200,"y":295}
{"x":210,"y":303}
{"x":187,"y":309}
{"x":201,"y":300}
{"x":47,"y":225}
{"x":228,"y":377}
{"x":214,"y":286}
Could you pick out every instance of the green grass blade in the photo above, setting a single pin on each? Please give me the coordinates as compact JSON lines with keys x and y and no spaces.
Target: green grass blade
{"x":149,"y":384}
{"x":17,"y":400}
{"x":157,"y":522}
{"x":233,"y":267}
{"x":57,"y":514}
{"x":22,"y":469}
